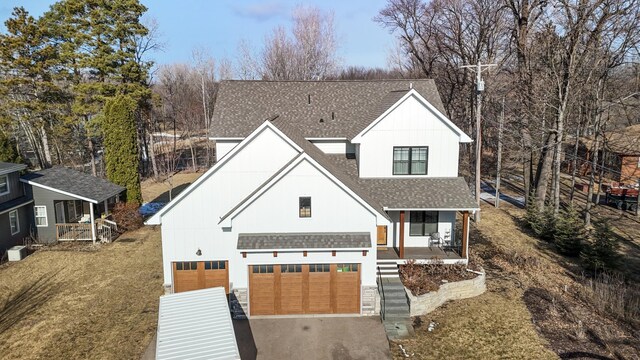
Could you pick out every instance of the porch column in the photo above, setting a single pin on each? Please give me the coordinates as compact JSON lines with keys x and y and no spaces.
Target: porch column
{"x":401,"y":242}
{"x":93,"y":223}
{"x":106,"y":208}
{"x":465,"y":234}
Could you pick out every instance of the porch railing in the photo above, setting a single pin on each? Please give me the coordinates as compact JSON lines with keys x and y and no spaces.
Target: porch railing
{"x":106,"y":231}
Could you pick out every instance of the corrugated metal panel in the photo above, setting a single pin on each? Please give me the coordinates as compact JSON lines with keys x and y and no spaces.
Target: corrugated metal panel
{"x":196,"y":325}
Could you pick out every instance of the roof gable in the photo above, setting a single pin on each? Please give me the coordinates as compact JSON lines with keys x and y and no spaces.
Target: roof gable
{"x":156,"y":219}
{"x":393,"y":101}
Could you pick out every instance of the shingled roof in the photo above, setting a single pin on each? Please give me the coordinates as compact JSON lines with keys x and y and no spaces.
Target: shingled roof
{"x":74,"y":183}
{"x":6,"y":167}
{"x":304,"y":241}
{"x":318,"y":108}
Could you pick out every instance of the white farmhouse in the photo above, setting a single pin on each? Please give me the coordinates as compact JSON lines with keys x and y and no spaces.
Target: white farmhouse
{"x":317,"y":185}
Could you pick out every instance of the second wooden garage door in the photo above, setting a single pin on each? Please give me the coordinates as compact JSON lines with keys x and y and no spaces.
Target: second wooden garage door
{"x":304,"y":289}
{"x":194,"y":275}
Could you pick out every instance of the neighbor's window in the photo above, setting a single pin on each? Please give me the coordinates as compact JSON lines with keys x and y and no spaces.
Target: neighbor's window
{"x":4,"y":184}
{"x":41,"y":215}
{"x":305,"y":207}
{"x":14,"y":222}
{"x":410,"y":160}
{"x":71,"y":209}
{"x":423,"y":223}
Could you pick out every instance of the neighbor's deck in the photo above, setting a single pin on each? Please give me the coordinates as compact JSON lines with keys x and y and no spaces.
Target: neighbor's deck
{"x":418,"y":253}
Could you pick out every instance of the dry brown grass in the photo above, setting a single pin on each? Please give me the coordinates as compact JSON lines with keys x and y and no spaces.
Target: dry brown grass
{"x":159,"y":190}
{"x":68,"y":304}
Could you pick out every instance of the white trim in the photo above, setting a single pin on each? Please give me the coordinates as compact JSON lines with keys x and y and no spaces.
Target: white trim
{"x":46,"y":217}
{"x":17,"y":222}
{"x":15,"y":207}
{"x":430,"y":209}
{"x":227,"y":220}
{"x":58,"y":191}
{"x":6,"y":176}
{"x":156,"y":219}
{"x":464,"y":138}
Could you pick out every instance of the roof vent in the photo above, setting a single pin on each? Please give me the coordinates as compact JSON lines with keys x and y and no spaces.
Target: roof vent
{"x":333,"y":115}
{"x":321,"y":120}
{"x":410,"y":85}
{"x":309,"y":99}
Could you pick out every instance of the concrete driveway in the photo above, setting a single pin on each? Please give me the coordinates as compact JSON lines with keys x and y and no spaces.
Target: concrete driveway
{"x":339,"y":338}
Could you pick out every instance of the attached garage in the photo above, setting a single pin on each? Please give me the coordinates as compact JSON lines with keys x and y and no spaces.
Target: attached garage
{"x":195,"y":275}
{"x":290,"y":289}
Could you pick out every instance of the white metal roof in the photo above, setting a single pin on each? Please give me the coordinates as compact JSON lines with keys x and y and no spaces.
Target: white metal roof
{"x":196,"y":325}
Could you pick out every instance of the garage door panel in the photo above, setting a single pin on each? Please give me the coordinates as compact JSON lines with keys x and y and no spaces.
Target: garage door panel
{"x":347,"y":297}
{"x":291,"y":294}
{"x":319,"y":293}
{"x":185,"y":276}
{"x":262,"y":290}
{"x":216,"y":274}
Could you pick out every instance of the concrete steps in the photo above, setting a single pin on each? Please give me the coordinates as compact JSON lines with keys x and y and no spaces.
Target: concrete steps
{"x":395,"y":311}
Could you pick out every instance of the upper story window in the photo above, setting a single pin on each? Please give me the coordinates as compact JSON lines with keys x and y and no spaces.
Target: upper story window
{"x":4,"y":184}
{"x":305,"y":206}
{"x":410,"y":160}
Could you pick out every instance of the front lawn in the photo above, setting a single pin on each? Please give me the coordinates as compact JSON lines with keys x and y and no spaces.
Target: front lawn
{"x":75,"y":301}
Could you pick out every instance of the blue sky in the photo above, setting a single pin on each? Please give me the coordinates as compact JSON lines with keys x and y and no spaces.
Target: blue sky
{"x":218,"y":25}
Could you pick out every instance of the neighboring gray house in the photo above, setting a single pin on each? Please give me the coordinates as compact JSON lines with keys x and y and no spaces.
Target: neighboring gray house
{"x":69,"y":205}
{"x":15,"y":207}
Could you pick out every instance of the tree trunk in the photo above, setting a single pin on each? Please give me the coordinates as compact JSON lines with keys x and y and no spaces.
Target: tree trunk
{"x":152,"y":155}
{"x":93,"y":156}
{"x":45,"y":146}
{"x":544,"y":170}
{"x":574,"y":166}
{"x":557,"y":163}
{"x":592,"y":175}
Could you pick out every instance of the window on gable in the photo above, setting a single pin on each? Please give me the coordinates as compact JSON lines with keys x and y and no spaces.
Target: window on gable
{"x":304,"y":206}
{"x":410,"y":160}
{"x":14,"y":222}
{"x":4,"y":184}
{"x":423,"y":223}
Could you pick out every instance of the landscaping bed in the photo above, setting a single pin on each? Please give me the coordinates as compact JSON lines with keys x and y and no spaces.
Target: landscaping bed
{"x":423,"y":278}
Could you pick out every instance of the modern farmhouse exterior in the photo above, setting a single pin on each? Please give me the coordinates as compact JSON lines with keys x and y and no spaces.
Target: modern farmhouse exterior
{"x":317,"y":183}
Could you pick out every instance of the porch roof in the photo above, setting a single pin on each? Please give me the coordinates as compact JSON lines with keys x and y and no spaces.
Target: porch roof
{"x":435,"y":193}
{"x":275,"y":241}
{"x":73,"y":183}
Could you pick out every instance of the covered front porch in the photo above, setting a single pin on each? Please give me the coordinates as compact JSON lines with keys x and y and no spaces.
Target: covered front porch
{"x":425,"y":236}
{"x":79,"y":220}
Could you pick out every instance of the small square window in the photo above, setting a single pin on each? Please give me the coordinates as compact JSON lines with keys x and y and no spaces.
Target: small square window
{"x":4,"y":184}
{"x":305,"y":206}
{"x":222,"y":265}
{"x":256,"y":269}
{"x":194,"y":266}
{"x":179,"y":266}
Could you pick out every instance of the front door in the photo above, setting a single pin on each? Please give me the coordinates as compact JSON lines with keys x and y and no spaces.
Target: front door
{"x":60,"y":219}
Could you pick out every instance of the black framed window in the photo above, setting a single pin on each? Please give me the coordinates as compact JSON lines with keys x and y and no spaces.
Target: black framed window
{"x":319,"y":268}
{"x":304,"y":206}
{"x":291,"y":268}
{"x":215,"y":265}
{"x":347,"y":268}
{"x":191,"y":265}
{"x":409,"y":160}
{"x":263,"y":269}
{"x":423,"y":223}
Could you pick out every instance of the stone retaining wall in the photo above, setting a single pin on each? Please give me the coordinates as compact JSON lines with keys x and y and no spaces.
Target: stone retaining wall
{"x":369,"y":299}
{"x":426,"y":303}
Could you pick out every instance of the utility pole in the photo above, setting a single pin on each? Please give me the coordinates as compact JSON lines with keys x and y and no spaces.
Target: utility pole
{"x":478,"y":68}
{"x":499,"y":165}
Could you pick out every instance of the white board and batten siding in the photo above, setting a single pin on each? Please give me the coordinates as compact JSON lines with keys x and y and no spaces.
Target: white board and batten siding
{"x":196,"y":325}
{"x":409,"y":124}
{"x":192,"y":222}
{"x":224,"y":146}
{"x":446,"y":222}
{"x":332,"y":210}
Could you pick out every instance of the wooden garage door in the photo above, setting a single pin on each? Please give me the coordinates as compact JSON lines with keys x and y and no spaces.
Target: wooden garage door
{"x":304,"y":289}
{"x":194,"y":275}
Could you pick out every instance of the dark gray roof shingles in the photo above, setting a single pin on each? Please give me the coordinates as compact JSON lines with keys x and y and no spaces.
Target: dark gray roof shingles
{"x":411,"y":193}
{"x":345,"y":107}
{"x":6,"y":167}
{"x":304,"y":241}
{"x":75,"y":182}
